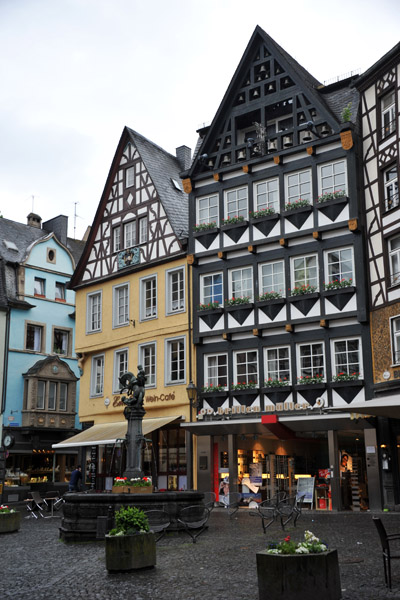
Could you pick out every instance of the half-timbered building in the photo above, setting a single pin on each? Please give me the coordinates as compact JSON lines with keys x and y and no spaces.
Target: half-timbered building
{"x":279,"y":287}
{"x":131,"y":292}
{"x":379,"y":107}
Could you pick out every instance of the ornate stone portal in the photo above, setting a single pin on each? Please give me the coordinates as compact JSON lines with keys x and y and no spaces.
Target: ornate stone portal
{"x":134,"y":413}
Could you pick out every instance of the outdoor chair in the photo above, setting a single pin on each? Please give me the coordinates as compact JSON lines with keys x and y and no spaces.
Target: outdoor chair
{"x":267,"y":511}
{"x":231,"y":502}
{"x":159,"y":521}
{"x":298,"y":508}
{"x":194,"y":519}
{"x":286,"y":510}
{"x":55,"y":500}
{"x":209,"y":500}
{"x":387,"y":554}
{"x":36,"y":504}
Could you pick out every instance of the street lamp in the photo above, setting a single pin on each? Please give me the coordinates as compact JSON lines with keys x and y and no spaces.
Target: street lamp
{"x":191,"y":391}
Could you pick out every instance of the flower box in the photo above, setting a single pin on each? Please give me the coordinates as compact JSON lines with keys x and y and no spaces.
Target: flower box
{"x":348,"y":390}
{"x":210,"y":316}
{"x":10,"y":521}
{"x":265,"y":224}
{"x":132,"y":489}
{"x":206,"y":236}
{"x":130,"y":552}
{"x":235,"y":230}
{"x":304,"y":302}
{"x":332,"y":208}
{"x":240,"y":312}
{"x":298,"y":216}
{"x":339,"y":296}
{"x":272,"y":307}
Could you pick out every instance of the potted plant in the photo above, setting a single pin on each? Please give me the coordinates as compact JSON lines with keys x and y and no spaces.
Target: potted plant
{"x":137,"y":485}
{"x":10,"y":519}
{"x":234,"y":227}
{"x":131,"y":544}
{"x":206,"y":233}
{"x":292,"y":570}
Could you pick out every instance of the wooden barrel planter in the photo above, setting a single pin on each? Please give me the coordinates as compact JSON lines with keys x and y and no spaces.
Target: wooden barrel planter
{"x":10,"y":522}
{"x":298,"y":576}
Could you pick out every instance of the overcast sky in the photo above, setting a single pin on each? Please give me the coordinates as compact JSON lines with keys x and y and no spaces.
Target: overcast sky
{"x":73,"y":73}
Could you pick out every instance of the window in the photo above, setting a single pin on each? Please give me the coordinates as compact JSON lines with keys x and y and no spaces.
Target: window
{"x":130,"y":176}
{"x":120,"y":367}
{"x":241,"y":283}
{"x":41,"y":394}
{"x":175,"y":291}
{"x":130,"y":234}
{"x":147,"y":358}
{"x":97,"y":376}
{"x":272,"y":277}
{"x":39,"y":287}
{"x":266,"y":195}
{"x":93,"y":312}
{"x":305,"y":271}
{"x":346,"y":356}
{"x":391,"y":188}
{"x":394,"y":260}
{"x":116,"y":239}
{"x":395,"y":327}
{"x":34,"y":337}
{"x":61,"y":339}
{"x":175,"y":361}
{"x":277,"y":363}
{"x":52,"y":395}
{"x":298,"y":186}
{"x":388,"y":114}
{"x":216,"y":370}
{"x":246,"y":367}
{"x":339,"y":264}
{"x":207,"y":210}
{"x":236,"y":203}
{"x":120,"y":305}
{"x":60,"y":291}
{"x":63,"y":396}
{"x":312,"y":362}
{"x":142,"y":230}
{"x":148,"y":298}
{"x":211,"y":288}
{"x":332,"y":177}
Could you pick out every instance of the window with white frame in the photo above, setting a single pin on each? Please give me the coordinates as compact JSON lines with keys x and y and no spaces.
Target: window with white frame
{"x":142,"y":230}
{"x":59,"y":292}
{"x":39,"y":286}
{"x":130,"y":176}
{"x":311,"y":360}
{"x":236,"y":203}
{"x":241,"y":283}
{"x":395,"y":329}
{"x":272,"y":277}
{"x":207,"y":210}
{"x":34,"y":337}
{"x":388,"y":114}
{"x":130,"y":234}
{"x":175,"y":282}
{"x":246,"y":367}
{"x":120,"y":367}
{"x":63,"y":396}
{"x":147,"y":358}
{"x":391,"y":188}
{"x":332,"y":177}
{"x":52,"y":395}
{"x":97,"y":376}
{"x":211,"y":288}
{"x":116,"y":239}
{"x":298,"y":186}
{"x":148,"y":298}
{"x":266,"y":195}
{"x":216,"y":370}
{"x":41,"y":394}
{"x":175,"y":361}
{"x":394,"y":260}
{"x":121,"y":305}
{"x":305,"y":271}
{"x":339,"y":265}
{"x":346,"y":357}
{"x":93,"y":312}
{"x":277,"y":363}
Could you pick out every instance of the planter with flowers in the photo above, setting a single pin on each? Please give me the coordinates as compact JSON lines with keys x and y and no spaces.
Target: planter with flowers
{"x":339,"y":291}
{"x":210,"y":313}
{"x":234,"y":227}
{"x":277,"y":390}
{"x":310,"y":387}
{"x":347,"y":385}
{"x":265,"y":220}
{"x":271,"y":303}
{"x":138,"y":485}
{"x":297,"y":212}
{"x":248,"y":390}
{"x":293,"y":570}
{"x":331,"y":204}
{"x":206,"y":233}
{"x":211,"y":391}
{"x":239,"y":307}
{"x":130,"y":545}
{"x":10,"y":519}
{"x":303,"y":297}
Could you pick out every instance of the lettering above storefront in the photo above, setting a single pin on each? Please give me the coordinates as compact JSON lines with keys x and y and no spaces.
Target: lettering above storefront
{"x":242,"y":409}
{"x":117,"y":401}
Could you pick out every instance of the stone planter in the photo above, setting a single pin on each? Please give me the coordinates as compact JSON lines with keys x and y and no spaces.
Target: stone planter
{"x":131,"y":489}
{"x":129,"y":552}
{"x":10,"y":522}
{"x":298,"y":576}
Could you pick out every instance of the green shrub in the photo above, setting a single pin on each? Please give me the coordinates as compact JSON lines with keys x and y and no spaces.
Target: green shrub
{"x":130,"y":520}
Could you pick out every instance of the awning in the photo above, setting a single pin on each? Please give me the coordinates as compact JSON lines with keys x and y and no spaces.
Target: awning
{"x":109,"y":433}
{"x":388,"y":406}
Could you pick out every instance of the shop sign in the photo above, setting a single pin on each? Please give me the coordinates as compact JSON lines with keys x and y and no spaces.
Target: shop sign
{"x":242,"y":409}
{"x":117,"y":401}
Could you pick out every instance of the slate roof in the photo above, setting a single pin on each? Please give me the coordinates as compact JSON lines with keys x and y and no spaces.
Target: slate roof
{"x":3,"y":295}
{"x":162,"y":167}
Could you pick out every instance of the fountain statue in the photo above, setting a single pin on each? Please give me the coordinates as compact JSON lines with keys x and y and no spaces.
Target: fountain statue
{"x":134,"y":413}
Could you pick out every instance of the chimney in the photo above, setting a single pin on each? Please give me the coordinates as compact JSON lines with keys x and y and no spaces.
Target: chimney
{"x":34,"y":220}
{"x":59,"y":226}
{"x":184,"y":156}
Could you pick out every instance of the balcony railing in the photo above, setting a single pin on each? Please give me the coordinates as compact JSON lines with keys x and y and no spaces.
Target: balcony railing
{"x":388,"y":129}
{"x":392,"y":201}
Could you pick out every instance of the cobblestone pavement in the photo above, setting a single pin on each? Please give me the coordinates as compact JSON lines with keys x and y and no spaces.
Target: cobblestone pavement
{"x":36,"y":565}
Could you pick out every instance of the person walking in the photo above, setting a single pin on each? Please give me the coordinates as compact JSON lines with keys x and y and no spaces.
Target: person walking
{"x":76,"y":477}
